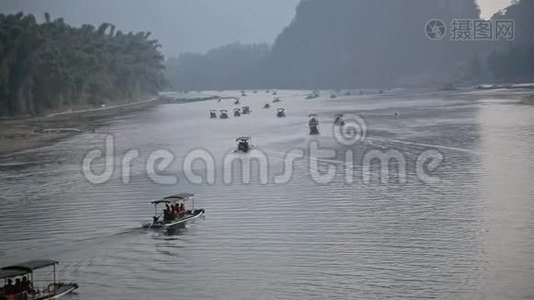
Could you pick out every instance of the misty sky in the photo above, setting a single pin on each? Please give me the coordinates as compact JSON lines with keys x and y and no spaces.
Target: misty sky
{"x":186,"y":25}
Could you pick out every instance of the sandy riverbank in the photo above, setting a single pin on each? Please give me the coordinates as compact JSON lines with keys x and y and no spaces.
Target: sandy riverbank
{"x":19,"y":134}
{"x":28,"y":133}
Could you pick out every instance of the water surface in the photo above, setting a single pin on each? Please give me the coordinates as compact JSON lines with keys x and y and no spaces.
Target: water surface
{"x":471,"y":235}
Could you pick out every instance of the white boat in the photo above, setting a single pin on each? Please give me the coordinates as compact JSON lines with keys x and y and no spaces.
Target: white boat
{"x":313,"y":123}
{"x":54,"y":289}
{"x":166,"y":221}
{"x":244,"y":145}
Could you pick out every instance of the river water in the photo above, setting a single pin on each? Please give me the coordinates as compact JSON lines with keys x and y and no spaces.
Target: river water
{"x":469,"y":234}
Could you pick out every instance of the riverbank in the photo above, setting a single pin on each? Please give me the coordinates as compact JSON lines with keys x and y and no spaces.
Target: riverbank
{"x":19,"y":134}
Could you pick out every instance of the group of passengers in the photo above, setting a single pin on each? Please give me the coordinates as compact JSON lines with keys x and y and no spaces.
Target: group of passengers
{"x":173,"y":211}
{"x":19,"y":290}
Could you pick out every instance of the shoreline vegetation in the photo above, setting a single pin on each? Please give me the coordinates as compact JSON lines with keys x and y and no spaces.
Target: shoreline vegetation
{"x":52,"y":66}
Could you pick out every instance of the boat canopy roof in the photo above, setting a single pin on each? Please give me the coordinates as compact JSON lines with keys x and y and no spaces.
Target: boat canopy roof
{"x":243,"y":138}
{"x":31,"y":265}
{"x":312,"y":115}
{"x":11,"y":273}
{"x":173,"y":198}
{"x":224,"y":110}
{"x":281,"y":109}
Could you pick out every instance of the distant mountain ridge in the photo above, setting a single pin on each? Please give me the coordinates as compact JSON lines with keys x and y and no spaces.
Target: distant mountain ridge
{"x":366,"y":43}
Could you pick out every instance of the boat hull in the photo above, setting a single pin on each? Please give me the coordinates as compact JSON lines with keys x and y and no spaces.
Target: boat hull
{"x":60,"y":291}
{"x":176,"y":223}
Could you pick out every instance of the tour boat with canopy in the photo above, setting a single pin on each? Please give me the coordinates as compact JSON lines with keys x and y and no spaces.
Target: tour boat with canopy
{"x":243,"y":144}
{"x":313,"y":123}
{"x":213,"y":114}
{"x":165,"y":219}
{"x":339,"y":120}
{"x":237,"y":112}
{"x":54,"y":290}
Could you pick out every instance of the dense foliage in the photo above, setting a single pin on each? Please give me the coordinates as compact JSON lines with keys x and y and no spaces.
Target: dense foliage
{"x":54,"y":65}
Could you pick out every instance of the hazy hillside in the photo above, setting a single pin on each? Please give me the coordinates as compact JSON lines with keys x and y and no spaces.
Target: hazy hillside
{"x":364,"y":43}
{"x":232,"y":66}
{"x":514,"y":62}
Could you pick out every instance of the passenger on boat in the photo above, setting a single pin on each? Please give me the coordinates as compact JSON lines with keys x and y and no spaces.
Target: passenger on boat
{"x":167,"y":213}
{"x":9,"y":288}
{"x":26,"y":285}
{"x":174,"y":210}
{"x":182,"y":210}
{"x":18,"y":286}
{"x":178,"y":213}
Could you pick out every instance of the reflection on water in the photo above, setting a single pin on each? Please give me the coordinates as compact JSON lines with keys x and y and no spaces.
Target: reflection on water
{"x":469,"y":236}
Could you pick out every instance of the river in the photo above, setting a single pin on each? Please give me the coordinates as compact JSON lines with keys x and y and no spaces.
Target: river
{"x":468,"y":233}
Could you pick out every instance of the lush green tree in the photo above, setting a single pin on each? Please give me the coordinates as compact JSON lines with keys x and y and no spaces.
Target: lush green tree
{"x":54,"y":65}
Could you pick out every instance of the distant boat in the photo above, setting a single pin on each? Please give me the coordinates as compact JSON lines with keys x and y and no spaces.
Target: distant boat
{"x":281,"y":113}
{"x":223,"y":114}
{"x":237,"y":112}
{"x":313,"y":123}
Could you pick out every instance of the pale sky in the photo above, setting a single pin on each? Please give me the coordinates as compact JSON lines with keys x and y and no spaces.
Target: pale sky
{"x":489,"y":7}
{"x":186,"y":25}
